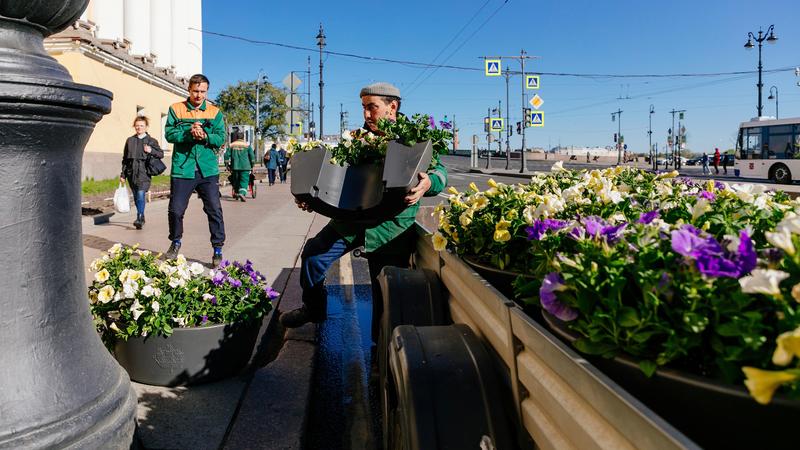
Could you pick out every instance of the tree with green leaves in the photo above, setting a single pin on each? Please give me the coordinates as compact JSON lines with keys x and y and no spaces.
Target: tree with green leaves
{"x":238,"y":104}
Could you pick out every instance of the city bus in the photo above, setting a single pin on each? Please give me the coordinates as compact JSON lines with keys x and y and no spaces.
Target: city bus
{"x":769,"y":149}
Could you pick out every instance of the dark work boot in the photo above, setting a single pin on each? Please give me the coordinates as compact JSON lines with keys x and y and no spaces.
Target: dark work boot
{"x":301,"y":316}
{"x":316,"y":296}
{"x":174,"y":248}
{"x":139,"y":221}
{"x":216,"y":258}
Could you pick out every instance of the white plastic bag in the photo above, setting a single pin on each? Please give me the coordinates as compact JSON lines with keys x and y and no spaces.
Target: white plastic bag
{"x":121,"y":202}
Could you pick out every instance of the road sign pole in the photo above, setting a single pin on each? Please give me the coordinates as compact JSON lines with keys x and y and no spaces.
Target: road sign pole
{"x":489,"y":139}
{"x":508,"y":126}
{"x":522,"y":167}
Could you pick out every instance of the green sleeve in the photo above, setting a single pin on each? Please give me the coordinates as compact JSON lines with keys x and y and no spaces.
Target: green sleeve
{"x":438,"y":177}
{"x":227,"y":155}
{"x":175,"y":132}
{"x":216,"y":136}
{"x":252,"y":156}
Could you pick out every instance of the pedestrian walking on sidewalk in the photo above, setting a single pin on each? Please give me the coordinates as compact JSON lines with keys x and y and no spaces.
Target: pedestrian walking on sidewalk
{"x":704,"y":161}
{"x":197,"y":130}
{"x":716,"y":160}
{"x":271,"y":163}
{"x":138,"y":148}
{"x":239,"y":159}
{"x":389,"y":243}
{"x":283,"y":164}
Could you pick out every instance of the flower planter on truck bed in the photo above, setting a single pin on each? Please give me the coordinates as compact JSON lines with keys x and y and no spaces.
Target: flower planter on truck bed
{"x":552,"y":397}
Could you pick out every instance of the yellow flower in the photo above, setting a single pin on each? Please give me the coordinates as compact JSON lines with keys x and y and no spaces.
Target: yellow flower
{"x":710,"y":185}
{"x":452,"y":190}
{"x":474,"y":187}
{"x":511,"y":215}
{"x":502,"y":235}
{"x":665,"y":175}
{"x":788,"y":347}
{"x":491,"y":183}
{"x":454,"y":236}
{"x":106,"y":294}
{"x":439,"y":241}
{"x":796,"y":292}
{"x":115,"y":249}
{"x":466,"y":218}
{"x":763,"y":383}
{"x":102,"y":276}
{"x":480,"y":203}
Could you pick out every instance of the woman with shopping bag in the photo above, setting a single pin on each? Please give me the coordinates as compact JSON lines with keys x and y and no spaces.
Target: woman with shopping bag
{"x":138,"y":149}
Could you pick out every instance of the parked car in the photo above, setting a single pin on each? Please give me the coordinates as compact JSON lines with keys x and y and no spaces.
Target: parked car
{"x":727,"y":160}
{"x":694,"y":161}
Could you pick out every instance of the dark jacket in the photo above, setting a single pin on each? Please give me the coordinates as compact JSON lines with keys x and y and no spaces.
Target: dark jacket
{"x":133,"y":161}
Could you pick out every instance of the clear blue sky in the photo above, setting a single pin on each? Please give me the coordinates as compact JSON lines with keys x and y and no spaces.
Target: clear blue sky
{"x":581,"y":37}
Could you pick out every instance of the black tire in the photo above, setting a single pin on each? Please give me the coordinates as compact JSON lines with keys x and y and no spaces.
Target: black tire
{"x":410,"y":297}
{"x":447,"y":393}
{"x":779,"y":173}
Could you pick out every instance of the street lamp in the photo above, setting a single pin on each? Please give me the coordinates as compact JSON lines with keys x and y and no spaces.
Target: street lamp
{"x":258,"y":105}
{"x":762,"y":36}
{"x":774,"y":97}
{"x":321,"y":45}
{"x":650,"y":136}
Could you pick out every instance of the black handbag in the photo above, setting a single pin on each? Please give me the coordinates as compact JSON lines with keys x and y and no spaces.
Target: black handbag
{"x":154,"y":166}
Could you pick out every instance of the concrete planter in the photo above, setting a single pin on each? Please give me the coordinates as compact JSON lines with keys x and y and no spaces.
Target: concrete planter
{"x":711,"y":413}
{"x":190,"y":355}
{"x":369,"y":192}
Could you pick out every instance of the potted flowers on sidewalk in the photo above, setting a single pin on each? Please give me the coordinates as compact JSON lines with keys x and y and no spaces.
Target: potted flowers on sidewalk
{"x":173,"y":322}
{"x":683,"y":292}
{"x":366,"y":175}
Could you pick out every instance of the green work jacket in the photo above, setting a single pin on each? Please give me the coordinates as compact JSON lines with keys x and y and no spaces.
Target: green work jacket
{"x":189,"y":154}
{"x":381,"y":236}
{"x":239,"y":156}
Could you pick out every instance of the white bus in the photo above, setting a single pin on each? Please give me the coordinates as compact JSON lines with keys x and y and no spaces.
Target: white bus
{"x":769,"y":149}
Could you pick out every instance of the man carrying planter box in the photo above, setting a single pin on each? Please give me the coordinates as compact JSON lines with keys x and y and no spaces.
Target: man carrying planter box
{"x":388,"y":243}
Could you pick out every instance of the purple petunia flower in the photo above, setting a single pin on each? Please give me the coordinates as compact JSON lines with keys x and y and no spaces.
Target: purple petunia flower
{"x":551,"y":283}
{"x":648,"y":217}
{"x":235,"y":283}
{"x":613,"y":233}
{"x":707,"y":195}
{"x":432,"y":122}
{"x":687,"y":241}
{"x":594,"y":225}
{"x":205,"y":319}
{"x":271,"y":293}
{"x":214,"y":300}
{"x":225,"y":263}
{"x":446,"y":125}
{"x":747,"y":257}
{"x":711,"y":259}
{"x":218,"y":278}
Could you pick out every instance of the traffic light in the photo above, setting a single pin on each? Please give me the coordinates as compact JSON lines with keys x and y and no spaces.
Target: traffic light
{"x":615,"y":137}
{"x":680,"y":116}
{"x":485,"y":124}
{"x":519,"y":127}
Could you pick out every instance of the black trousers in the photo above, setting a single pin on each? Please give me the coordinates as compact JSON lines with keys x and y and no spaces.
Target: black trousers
{"x":207,"y":188}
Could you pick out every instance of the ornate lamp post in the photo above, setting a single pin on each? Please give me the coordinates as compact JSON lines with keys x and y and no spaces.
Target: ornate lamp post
{"x":60,"y":386}
{"x":774,"y":97}
{"x":749,"y":46}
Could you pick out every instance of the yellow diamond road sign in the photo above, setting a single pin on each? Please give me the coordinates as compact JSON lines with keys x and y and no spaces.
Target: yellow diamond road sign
{"x":493,"y":67}
{"x":536,"y":101}
{"x":537,"y":118}
{"x":496,"y":124}
{"x":532,"y":81}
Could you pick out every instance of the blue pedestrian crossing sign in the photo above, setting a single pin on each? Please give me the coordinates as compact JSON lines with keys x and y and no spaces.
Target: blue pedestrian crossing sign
{"x":493,"y":67}
{"x":532,"y":81}
{"x":496,"y":124}
{"x":537,"y":118}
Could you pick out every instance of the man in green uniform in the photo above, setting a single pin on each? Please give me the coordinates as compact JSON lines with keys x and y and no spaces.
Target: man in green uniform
{"x":196,"y":129}
{"x":240,"y":159}
{"x":388,"y":243}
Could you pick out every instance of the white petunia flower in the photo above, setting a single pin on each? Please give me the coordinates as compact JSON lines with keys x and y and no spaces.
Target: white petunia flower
{"x":106,"y":294}
{"x":701,"y":207}
{"x":196,"y":268}
{"x":180,"y":321}
{"x":102,"y":276}
{"x":115,"y":249}
{"x":136,"y":309}
{"x":763,"y":281}
{"x":781,"y":239}
{"x":130,"y":289}
{"x":148,"y":290}
{"x":557,"y":167}
{"x":156,"y":306}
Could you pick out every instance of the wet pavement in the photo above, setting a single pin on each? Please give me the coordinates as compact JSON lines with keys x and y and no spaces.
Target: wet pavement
{"x":344,"y":411}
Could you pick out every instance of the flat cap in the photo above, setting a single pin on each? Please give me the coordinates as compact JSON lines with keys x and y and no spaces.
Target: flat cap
{"x":382,"y":89}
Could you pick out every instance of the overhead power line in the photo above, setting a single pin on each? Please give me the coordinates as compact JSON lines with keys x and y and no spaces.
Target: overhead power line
{"x":480,"y":69}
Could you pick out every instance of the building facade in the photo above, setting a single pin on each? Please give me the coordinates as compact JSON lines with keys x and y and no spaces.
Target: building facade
{"x":144,"y":52}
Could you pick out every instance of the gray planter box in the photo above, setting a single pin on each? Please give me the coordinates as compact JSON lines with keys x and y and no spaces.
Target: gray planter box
{"x":190,"y":355}
{"x":359,"y":193}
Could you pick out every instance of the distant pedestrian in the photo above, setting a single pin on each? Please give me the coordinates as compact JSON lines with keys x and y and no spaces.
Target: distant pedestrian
{"x":725,"y":159}
{"x":716,"y":160}
{"x":283,"y":164}
{"x":704,"y":161}
{"x":197,"y":129}
{"x":137,"y":149}
{"x":240,"y":159}
{"x":271,"y":163}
